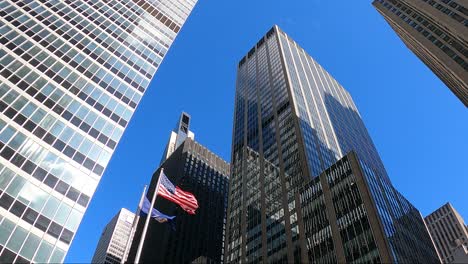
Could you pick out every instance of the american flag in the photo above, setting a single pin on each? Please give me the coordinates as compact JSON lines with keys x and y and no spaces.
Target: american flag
{"x":186,"y":200}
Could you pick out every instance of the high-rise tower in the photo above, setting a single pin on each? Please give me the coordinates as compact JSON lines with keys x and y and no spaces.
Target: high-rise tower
{"x":448,"y":230}
{"x":71,"y":76}
{"x":178,"y":135}
{"x":436,"y":31}
{"x":293,"y":121}
{"x":111,"y":246}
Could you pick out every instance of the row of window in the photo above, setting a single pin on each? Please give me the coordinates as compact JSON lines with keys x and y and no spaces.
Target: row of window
{"x":74,"y":58}
{"x":15,"y":239}
{"x":36,"y":219}
{"x":56,"y":45}
{"x":133,"y":9}
{"x":64,"y":105}
{"x":449,"y":11}
{"x":40,"y":162}
{"x":141,"y":65}
{"x":33,"y":77}
{"x":68,"y":150}
{"x":76,"y":18}
{"x":433,"y":34}
{"x":41,"y":175}
{"x":121,"y":14}
{"x":47,"y":127}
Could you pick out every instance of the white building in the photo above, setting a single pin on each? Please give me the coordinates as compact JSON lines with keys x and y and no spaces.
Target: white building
{"x":111,"y":246}
{"x":71,"y":76}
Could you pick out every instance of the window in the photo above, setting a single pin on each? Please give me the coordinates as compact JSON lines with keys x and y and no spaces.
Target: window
{"x":51,"y":206}
{"x":5,"y":230}
{"x":30,"y":246}
{"x":16,"y":186}
{"x":43,"y":252}
{"x":74,"y":220}
{"x":17,"y":239}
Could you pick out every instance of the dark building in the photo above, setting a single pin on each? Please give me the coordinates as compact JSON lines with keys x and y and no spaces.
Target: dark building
{"x":342,"y":222}
{"x":293,"y":121}
{"x":198,"y":237}
{"x":436,"y":31}
{"x":449,"y":232}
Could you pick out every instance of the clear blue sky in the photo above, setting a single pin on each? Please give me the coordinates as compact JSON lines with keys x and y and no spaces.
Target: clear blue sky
{"x":418,"y":125}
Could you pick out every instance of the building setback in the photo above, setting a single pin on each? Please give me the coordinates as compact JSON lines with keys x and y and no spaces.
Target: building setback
{"x":71,"y":76}
{"x":449,"y":232}
{"x":198,"y":237}
{"x":436,"y":31}
{"x":111,"y":245}
{"x":292,"y":121}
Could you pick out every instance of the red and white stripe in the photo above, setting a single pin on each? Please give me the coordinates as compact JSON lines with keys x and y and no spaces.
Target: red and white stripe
{"x":186,"y":200}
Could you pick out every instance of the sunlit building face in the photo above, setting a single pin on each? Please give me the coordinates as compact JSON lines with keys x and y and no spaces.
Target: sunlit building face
{"x":71,"y":76}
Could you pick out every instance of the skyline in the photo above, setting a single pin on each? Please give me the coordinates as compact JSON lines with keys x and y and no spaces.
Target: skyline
{"x":184,"y":60}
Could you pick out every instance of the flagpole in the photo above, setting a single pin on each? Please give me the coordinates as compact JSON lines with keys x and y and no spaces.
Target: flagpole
{"x":148,"y":216}
{"x":135,"y":222}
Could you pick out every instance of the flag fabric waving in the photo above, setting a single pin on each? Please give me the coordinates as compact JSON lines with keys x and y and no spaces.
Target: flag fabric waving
{"x":158,"y":216}
{"x":186,"y":200}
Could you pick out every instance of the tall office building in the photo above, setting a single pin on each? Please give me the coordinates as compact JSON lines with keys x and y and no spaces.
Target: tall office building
{"x":71,"y":75}
{"x":340,"y":212}
{"x":449,"y":232}
{"x":292,"y":121}
{"x":111,"y":245}
{"x":436,"y":31}
{"x":198,"y":238}
{"x":178,"y":135}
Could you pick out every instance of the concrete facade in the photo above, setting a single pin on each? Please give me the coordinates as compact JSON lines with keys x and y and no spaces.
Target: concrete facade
{"x":449,"y":232}
{"x":436,"y":31}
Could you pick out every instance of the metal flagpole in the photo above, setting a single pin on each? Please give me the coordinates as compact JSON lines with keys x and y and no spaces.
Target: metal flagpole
{"x":135,"y":222}
{"x":145,"y":228}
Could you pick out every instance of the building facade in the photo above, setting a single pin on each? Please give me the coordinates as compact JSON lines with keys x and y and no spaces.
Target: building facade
{"x":435,"y":30}
{"x":342,"y":222}
{"x":199,"y":237}
{"x":449,"y":232}
{"x":111,"y":245}
{"x":71,"y":76}
{"x":460,"y":254}
{"x":292,"y":121}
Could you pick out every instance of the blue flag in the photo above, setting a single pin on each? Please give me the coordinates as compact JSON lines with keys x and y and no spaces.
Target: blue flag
{"x":158,"y":216}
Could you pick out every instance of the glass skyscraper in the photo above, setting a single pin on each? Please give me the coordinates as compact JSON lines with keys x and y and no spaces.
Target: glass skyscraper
{"x":292,"y":121}
{"x":436,"y":31}
{"x":71,"y":76}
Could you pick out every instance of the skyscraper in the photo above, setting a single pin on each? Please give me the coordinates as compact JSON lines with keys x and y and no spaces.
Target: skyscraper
{"x":435,"y":31}
{"x":292,"y":121}
{"x":448,"y":230}
{"x":340,"y":219}
{"x":71,"y":76}
{"x":178,"y":135}
{"x":199,"y":238}
{"x":111,"y":245}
